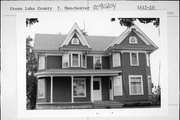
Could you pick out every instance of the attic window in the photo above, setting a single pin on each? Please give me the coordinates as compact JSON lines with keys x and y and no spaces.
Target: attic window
{"x":133,"y":40}
{"x":75,"y":40}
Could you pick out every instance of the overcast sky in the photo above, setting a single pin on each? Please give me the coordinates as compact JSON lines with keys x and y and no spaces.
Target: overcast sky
{"x":95,"y":23}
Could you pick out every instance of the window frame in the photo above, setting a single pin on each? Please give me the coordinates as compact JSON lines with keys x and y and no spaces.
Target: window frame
{"x":137,"y":54}
{"x":149,"y":85}
{"x":67,"y":61}
{"x":148,"y":60}
{"x":94,"y":57}
{"x":119,"y":63}
{"x":78,"y":59}
{"x":74,"y":43}
{"x":82,"y":60}
{"x":85,"y":91}
{"x":142,"y":87}
{"x":115,"y":84}
{"x":43,"y":88}
{"x":130,"y":38}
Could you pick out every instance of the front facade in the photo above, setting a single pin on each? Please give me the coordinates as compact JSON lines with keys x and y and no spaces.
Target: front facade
{"x":77,"y":70}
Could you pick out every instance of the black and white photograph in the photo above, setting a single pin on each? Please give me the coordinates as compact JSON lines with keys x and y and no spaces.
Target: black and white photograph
{"x":87,"y":61}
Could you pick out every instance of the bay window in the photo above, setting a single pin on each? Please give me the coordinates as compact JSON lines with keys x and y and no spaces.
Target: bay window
{"x":41,"y":88}
{"x":75,"y":57}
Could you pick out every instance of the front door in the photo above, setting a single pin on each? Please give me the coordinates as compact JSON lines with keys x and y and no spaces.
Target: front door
{"x":97,"y":93}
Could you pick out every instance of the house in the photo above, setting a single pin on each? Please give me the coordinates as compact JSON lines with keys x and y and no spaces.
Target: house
{"x":77,"y":71}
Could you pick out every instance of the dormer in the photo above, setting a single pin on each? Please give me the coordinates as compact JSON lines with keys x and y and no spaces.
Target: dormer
{"x":75,"y":41}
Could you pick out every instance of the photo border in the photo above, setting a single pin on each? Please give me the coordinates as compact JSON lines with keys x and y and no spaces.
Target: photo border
{"x":21,"y":74}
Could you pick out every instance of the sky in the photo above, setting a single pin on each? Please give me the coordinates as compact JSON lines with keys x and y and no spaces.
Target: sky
{"x":97,"y":24}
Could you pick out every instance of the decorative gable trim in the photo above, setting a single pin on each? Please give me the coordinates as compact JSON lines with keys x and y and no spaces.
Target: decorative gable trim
{"x":75,"y":29}
{"x":138,"y":31}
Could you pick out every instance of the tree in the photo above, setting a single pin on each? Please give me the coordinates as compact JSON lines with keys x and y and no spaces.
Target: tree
{"x":128,"y":22}
{"x":31,"y":68}
{"x":31,"y":21}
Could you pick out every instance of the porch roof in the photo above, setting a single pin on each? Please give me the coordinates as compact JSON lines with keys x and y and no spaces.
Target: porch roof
{"x":78,"y":72}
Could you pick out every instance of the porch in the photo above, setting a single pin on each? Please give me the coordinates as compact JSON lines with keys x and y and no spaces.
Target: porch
{"x":77,"y":89}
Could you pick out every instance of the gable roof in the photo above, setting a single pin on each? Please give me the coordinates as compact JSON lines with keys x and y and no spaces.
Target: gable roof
{"x":75,"y":30}
{"x":138,"y":31}
{"x":54,"y":41}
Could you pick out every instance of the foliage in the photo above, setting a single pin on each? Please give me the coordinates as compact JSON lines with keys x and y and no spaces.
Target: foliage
{"x":31,"y":68}
{"x":156,"y":100}
{"x":84,"y":32}
{"x":31,"y":21}
{"x":128,"y":22}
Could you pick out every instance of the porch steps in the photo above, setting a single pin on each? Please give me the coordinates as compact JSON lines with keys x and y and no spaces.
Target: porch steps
{"x":107,"y":104}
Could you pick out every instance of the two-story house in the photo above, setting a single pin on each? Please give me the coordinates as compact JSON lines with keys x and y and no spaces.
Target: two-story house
{"x":76,"y":70}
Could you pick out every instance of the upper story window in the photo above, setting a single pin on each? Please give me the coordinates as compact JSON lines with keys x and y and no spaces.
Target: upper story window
{"x":75,"y":40}
{"x":147,"y":60}
{"x":65,"y":60}
{"x":41,"y":62}
{"x":135,"y":85}
{"x":134,"y":59}
{"x":83,"y":60}
{"x":75,"y":60}
{"x":116,"y":60}
{"x":97,"y":62}
{"x":133,"y":40}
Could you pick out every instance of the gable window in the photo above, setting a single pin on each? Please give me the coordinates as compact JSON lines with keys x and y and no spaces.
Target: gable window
{"x":75,"y":40}
{"x":135,"y":85}
{"x":134,"y":59}
{"x":149,"y":85}
{"x":83,"y":60}
{"x":133,"y":40}
{"x":147,"y":60}
{"x":41,"y":88}
{"x":97,"y":62}
{"x":75,"y":57}
{"x":116,"y":60}
{"x":79,"y":87}
{"x":65,"y":62}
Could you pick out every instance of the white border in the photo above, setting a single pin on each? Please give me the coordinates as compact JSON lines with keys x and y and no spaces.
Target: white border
{"x":21,"y":85}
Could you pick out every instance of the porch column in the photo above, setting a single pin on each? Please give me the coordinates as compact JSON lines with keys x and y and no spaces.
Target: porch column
{"x":72,"y":97}
{"x":92,"y":100}
{"x":51,"y":100}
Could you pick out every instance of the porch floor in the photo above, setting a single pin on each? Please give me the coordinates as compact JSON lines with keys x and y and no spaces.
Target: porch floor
{"x":81,"y":105}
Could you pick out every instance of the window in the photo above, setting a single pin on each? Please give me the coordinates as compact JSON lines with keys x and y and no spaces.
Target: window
{"x":79,"y":87}
{"x":134,"y":59}
{"x":133,"y":40}
{"x":149,"y":85}
{"x":75,"y":40}
{"x":41,"y":88}
{"x":118,"y":86}
{"x":97,"y":62}
{"x":147,"y":59}
{"x":116,"y":60}
{"x":83,"y":61}
{"x":41,"y":62}
{"x":65,"y":61}
{"x":135,"y":85}
{"x":75,"y":60}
